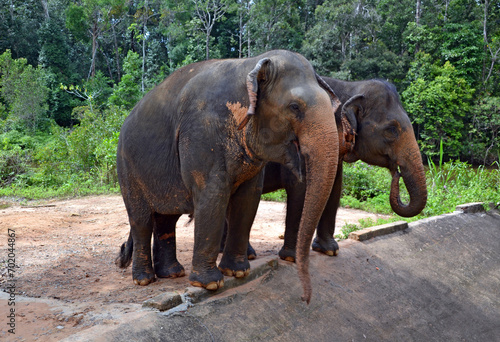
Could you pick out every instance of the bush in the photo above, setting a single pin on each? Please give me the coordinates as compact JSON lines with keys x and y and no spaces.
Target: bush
{"x":63,"y":161}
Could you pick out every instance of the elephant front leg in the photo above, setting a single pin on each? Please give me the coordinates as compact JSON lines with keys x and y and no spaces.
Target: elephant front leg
{"x":209,"y":215}
{"x":324,"y":242}
{"x":295,"y":202}
{"x":241,"y":213}
{"x":164,"y":247}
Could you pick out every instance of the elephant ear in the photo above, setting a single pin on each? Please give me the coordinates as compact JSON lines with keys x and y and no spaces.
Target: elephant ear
{"x":329,"y":90}
{"x":349,"y":115}
{"x":253,"y":78}
{"x":348,"y":122}
{"x":352,"y":108}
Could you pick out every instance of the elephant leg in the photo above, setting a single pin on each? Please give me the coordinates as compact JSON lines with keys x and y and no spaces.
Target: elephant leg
{"x":210,"y":206}
{"x":164,"y":247}
{"x":141,"y":230}
{"x":251,"y":254}
{"x":324,"y":241}
{"x":294,"y":205}
{"x":241,"y":214}
{"x":223,"y":239}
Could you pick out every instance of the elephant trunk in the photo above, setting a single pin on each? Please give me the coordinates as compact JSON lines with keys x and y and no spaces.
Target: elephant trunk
{"x":319,"y":145}
{"x":414,"y":178}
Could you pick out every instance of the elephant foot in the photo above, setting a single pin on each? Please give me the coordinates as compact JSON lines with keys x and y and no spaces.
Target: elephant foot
{"x":238,"y":267}
{"x":237,"y":274}
{"x":211,"y":280}
{"x":174,"y":271}
{"x":143,"y":279}
{"x":212,"y":286}
{"x":329,"y":247}
{"x":251,"y":255}
{"x":287,"y":254}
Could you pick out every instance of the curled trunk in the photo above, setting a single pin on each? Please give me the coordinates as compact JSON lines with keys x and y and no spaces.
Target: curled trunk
{"x":414,"y":179}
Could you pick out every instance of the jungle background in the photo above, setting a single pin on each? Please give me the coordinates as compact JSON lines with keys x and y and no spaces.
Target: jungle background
{"x":71,"y":71}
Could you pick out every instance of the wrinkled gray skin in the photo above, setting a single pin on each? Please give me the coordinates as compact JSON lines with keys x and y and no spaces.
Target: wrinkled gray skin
{"x":197,"y":143}
{"x":383,"y":136}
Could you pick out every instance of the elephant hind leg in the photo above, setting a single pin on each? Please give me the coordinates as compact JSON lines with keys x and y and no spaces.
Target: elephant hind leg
{"x":139,"y":243}
{"x":165,"y":260}
{"x":251,"y":254}
{"x":125,"y":256}
{"x":241,"y":213}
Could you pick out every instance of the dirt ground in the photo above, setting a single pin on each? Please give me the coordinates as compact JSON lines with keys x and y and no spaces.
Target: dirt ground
{"x":65,"y":251}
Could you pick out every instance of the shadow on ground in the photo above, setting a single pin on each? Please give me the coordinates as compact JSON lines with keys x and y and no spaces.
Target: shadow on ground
{"x":438,"y":280}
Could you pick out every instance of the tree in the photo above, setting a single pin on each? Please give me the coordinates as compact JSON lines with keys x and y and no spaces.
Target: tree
{"x":394,"y":16}
{"x":208,"y":12}
{"x":91,"y":19}
{"x":23,"y":89}
{"x":344,"y":30}
{"x":484,"y":134}
{"x":438,"y":101}
{"x":276,"y":25}
{"x":19,"y":22}
{"x":128,"y":92}
{"x":491,"y":37}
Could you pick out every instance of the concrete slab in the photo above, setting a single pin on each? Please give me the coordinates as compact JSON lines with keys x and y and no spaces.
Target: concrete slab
{"x":384,"y":229}
{"x":437,"y":280}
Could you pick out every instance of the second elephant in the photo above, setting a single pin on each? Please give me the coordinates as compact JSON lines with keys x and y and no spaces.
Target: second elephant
{"x":383,"y":136}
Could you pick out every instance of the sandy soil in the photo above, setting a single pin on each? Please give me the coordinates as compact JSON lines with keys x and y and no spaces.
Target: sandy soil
{"x":65,"y":251}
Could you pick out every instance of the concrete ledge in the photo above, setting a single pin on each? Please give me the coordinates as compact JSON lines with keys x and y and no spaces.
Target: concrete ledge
{"x":384,"y":229}
{"x":470,"y":208}
{"x":192,"y":295}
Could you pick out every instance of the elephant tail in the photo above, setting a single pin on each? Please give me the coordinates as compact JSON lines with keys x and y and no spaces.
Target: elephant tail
{"x":125,"y":257}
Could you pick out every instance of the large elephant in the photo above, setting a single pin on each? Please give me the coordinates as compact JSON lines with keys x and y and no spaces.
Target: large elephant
{"x":197,"y":143}
{"x":383,"y":136}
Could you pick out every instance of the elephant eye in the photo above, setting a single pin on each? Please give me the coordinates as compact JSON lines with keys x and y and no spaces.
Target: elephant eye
{"x":391,"y":133}
{"x":294,"y":107}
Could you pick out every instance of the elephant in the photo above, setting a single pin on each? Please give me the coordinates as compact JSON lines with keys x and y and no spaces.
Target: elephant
{"x":197,"y":143}
{"x":382,"y":135}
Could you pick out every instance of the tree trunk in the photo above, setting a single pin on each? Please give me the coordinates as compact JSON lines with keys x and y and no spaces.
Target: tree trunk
{"x":45,"y":7}
{"x":144,"y":29}
{"x":417,"y":13}
{"x":117,"y":54}
{"x":240,"y":35}
{"x":94,"y":50}
{"x":207,"y":41}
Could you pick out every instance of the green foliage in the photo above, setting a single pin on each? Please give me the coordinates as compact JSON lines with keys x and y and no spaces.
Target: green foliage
{"x":95,"y":92}
{"x":108,"y":53}
{"x":456,"y":183}
{"x":346,"y":230}
{"x":484,"y":131}
{"x":276,"y":196}
{"x":63,"y":161}
{"x":128,"y":92}
{"x":437,"y":100}
{"x":23,"y":89}
{"x":362,"y":181}
{"x":276,"y":24}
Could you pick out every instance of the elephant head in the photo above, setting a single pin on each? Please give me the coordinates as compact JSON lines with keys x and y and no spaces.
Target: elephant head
{"x":385,"y":137}
{"x":290,"y":103}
